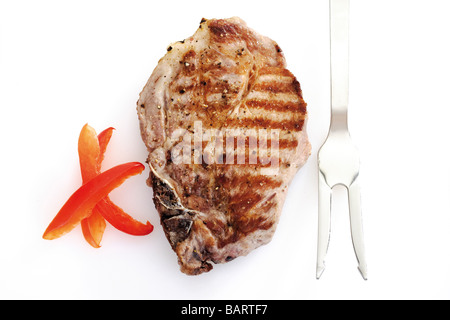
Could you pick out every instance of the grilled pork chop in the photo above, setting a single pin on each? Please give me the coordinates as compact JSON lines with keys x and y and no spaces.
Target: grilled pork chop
{"x":224,"y":124}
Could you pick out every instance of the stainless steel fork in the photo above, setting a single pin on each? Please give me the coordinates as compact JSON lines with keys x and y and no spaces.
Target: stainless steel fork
{"x":338,"y":158}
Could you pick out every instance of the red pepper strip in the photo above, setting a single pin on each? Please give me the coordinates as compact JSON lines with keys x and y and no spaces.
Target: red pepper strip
{"x":91,"y":152}
{"x":103,"y":140}
{"x":93,"y":228}
{"x":110,"y":211}
{"x":82,"y":201}
{"x":122,"y":221}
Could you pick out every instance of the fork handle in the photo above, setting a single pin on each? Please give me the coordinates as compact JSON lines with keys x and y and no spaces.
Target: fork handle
{"x":339,"y":29}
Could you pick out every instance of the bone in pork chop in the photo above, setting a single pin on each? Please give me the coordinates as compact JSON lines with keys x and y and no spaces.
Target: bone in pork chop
{"x":224,"y":124}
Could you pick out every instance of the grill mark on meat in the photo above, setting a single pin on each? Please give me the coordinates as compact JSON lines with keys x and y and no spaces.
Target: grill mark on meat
{"x":261,"y":113}
{"x":275,"y":71}
{"x":246,"y":179}
{"x":264,"y":95}
{"x":248,"y":153}
{"x":246,"y":191}
{"x":241,"y":203}
{"x":281,"y":144}
{"x":223,"y":31}
{"x":275,"y":87}
{"x":278,"y":106}
{"x":291,"y":125}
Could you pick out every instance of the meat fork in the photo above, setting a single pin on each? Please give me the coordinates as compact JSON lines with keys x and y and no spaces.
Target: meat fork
{"x":338,"y":158}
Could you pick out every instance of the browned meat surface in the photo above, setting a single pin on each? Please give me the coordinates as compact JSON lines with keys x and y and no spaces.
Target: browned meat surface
{"x":225,"y":77}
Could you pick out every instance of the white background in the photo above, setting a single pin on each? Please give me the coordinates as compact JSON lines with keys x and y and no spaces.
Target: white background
{"x":65,"y":63}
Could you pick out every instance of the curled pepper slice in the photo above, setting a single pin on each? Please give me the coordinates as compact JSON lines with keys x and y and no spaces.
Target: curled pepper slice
{"x":79,"y":206}
{"x":93,"y":228}
{"x":120,"y":220}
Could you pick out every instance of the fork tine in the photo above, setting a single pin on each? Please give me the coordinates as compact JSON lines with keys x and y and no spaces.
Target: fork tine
{"x":354,"y":201}
{"x":324,"y":224}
